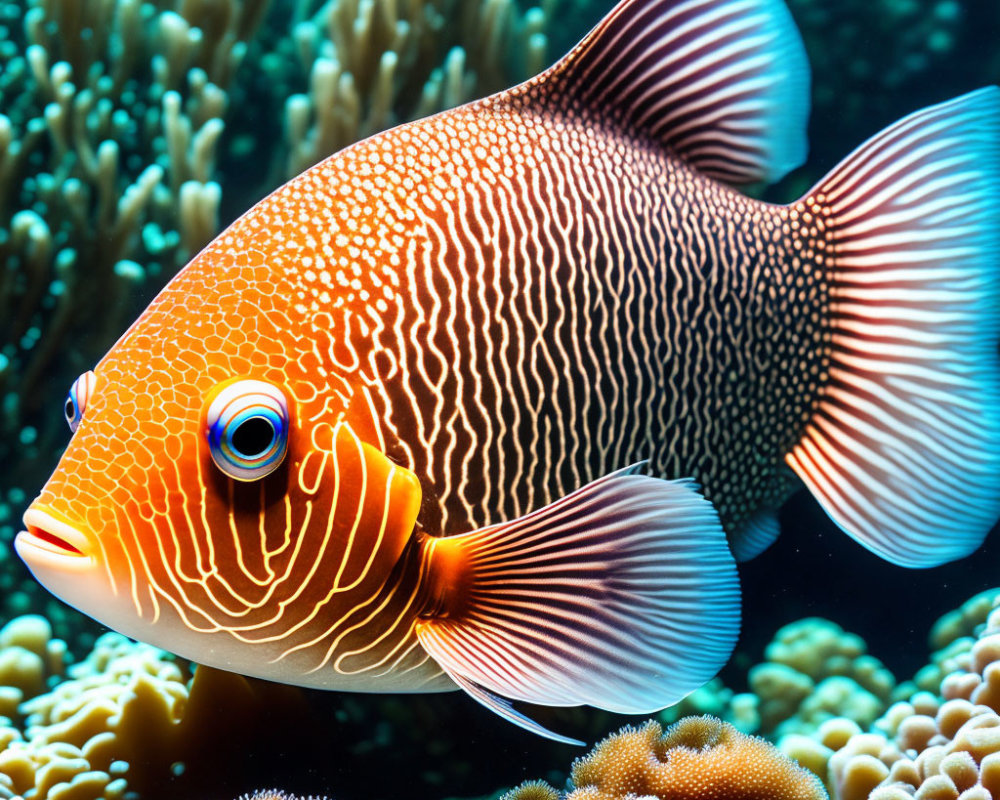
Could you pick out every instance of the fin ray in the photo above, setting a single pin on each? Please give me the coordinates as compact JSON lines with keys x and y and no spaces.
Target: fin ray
{"x":722,"y":83}
{"x":904,"y":449}
{"x":622,"y":595}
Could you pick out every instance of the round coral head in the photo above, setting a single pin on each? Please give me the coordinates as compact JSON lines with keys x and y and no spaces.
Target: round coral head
{"x":698,"y":758}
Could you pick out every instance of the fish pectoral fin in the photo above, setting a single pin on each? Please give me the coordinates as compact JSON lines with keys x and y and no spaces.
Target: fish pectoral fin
{"x":622,"y":595}
{"x":724,"y":84}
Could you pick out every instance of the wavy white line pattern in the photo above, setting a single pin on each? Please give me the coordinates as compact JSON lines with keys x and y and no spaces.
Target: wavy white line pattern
{"x":585,"y":322}
{"x":511,"y":299}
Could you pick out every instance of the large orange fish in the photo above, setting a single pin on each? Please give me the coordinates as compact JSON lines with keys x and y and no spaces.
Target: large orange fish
{"x":380,"y":435}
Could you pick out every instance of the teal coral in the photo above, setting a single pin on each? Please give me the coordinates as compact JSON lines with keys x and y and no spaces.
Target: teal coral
{"x":121,"y":121}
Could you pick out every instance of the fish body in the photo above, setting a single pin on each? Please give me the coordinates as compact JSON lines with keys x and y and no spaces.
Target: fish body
{"x":377,"y":436}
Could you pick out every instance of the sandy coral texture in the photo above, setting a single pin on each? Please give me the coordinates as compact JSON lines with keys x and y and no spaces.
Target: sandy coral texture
{"x":697,"y":758}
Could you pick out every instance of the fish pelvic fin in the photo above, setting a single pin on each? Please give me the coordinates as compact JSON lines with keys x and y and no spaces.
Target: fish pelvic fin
{"x":903,"y":450}
{"x":724,"y":84}
{"x":622,"y":595}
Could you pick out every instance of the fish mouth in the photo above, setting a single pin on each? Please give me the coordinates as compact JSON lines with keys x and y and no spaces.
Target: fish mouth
{"x":47,"y":541}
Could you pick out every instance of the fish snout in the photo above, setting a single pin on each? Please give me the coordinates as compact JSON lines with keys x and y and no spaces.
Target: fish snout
{"x":51,"y":544}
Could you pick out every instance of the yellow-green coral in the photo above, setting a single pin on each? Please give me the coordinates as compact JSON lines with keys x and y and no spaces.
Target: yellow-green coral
{"x":127,"y":719}
{"x":941,"y":743}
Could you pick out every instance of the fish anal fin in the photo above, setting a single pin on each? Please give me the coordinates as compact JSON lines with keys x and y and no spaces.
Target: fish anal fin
{"x":723,"y":83}
{"x":756,"y":535}
{"x":622,"y":595}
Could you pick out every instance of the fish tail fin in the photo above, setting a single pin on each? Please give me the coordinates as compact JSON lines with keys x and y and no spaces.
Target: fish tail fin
{"x":622,"y":595}
{"x":903,"y":449}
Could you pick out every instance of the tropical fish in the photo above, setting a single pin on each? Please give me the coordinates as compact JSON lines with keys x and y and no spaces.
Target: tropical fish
{"x":483,"y":401}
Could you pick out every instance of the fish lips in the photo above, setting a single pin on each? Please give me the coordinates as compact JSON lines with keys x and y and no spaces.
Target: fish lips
{"x":48,"y":544}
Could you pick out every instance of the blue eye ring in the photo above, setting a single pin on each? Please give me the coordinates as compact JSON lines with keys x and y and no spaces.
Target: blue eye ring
{"x":76,"y":401}
{"x":247,"y":429}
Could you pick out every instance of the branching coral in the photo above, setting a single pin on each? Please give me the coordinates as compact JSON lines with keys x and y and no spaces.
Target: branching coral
{"x":110,"y":124}
{"x":698,"y":758}
{"x":344,"y":69}
{"x":117,"y":118}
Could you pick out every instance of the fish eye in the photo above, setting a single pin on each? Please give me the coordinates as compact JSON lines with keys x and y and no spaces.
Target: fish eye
{"x":247,"y":429}
{"x":76,"y":400}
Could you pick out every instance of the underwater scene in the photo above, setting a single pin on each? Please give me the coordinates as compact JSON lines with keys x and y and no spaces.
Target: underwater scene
{"x":536,"y":399}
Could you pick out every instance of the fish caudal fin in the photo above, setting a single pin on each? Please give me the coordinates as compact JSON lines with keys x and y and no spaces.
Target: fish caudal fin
{"x":904,"y":448}
{"x":722,"y":83}
{"x":622,"y":595}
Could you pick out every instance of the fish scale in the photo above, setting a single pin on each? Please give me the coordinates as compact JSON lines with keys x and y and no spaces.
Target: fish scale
{"x":495,"y":400}
{"x":633,"y":319}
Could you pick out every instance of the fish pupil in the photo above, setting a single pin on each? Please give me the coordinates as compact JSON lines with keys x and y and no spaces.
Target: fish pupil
{"x":69,"y":409}
{"x":253,"y":437}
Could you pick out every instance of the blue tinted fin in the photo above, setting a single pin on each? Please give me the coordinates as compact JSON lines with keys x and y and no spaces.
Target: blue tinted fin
{"x":904,"y":448}
{"x":622,"y":595}
{"x":756,"y":535}
{"x":722,"y":83}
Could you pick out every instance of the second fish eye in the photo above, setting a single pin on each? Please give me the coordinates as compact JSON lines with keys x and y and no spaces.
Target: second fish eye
{"x":76,"y":400}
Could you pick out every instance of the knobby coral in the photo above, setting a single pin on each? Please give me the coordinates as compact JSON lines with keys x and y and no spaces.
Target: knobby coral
{"x":698,"y":758}
{"x":943,"y":742}
{"x":129,"y":719}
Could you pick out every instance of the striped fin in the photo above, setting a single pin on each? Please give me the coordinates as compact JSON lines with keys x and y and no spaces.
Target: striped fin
{"x":622,"y":595}
{"x":722,"y":83}
{"x":904,"y":449}
{"x":756,"y":535}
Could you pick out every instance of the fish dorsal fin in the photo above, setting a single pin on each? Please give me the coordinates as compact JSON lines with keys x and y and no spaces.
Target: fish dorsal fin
{"x":722,"y":83}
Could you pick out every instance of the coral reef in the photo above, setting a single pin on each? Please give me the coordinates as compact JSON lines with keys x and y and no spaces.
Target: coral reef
{"x":698,"y":758}
{"x":109,"y":135}
{"x":814,"y":671}
{"x":941,"y":743}
{"x":368,"y":65}
{"x":120,"y":124}
{"x":129,"y":718}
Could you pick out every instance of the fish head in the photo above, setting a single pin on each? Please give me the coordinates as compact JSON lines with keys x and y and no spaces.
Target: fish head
{"x":226,"y":474}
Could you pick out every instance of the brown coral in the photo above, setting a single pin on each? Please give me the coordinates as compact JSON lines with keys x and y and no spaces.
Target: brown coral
{"x":698,"y":758}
